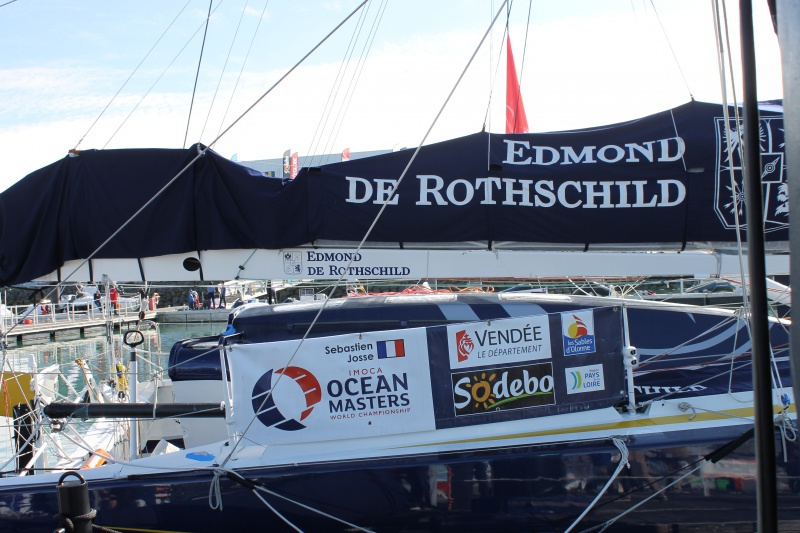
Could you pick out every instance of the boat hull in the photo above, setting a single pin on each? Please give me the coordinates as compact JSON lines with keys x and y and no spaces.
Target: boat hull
{"x":516,"y":488}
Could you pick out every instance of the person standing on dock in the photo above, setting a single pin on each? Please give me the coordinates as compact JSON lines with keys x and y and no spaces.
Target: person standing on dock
{"x":113,"y":294}
{"x":222,"y":291}
{"x":210,"y":296}
{"x":191,"y":300}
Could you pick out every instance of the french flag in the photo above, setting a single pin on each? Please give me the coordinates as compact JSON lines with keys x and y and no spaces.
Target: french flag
{"x":387,"y":349}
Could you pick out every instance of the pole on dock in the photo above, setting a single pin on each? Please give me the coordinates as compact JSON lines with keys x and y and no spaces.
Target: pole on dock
{"x":133,"y":339}
{"x":766,"y":477}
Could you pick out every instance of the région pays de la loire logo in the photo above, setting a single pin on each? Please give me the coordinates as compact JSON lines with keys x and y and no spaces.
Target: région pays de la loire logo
{"x":464,"y":345}
{"x":577,"y":329}
{"x":291,"y":402}
{"x":584,"y":379}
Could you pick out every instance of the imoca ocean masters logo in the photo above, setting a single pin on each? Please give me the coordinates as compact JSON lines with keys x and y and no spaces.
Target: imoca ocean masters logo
{"x":284,"y":413}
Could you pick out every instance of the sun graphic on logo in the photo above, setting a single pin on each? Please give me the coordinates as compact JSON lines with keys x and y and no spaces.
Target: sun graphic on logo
{"x":577,"y":329}
{"x":482,"y":390}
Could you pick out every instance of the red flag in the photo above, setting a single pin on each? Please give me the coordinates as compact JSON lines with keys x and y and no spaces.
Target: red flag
{"x":294,"y":166}
{"x":346,"y":154}
{"x":516,"y":121}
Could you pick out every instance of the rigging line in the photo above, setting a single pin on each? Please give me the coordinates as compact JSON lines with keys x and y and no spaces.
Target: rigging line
{"x":351,"y":88}
{"x":366,"y":236}
{"x":197,"y":75}
{"x":343,"y":66}
{"x":726,"y":117}
{"x":721,"y":324}
{"x":308,"y":507}
{"x":522,"y":66}
{"x":697,"y":465}
{"x":669,"y":43}
{"x":302,"y":59}
{"x":159,"y":78}
{"x":132,"y":74}
{"x":623,"y":462}
{"x":493,"y":81}
{"x":241,"y":70}
{"x":359,"y":70}
{"x":222,"y":74}
{"x":9,"y":2}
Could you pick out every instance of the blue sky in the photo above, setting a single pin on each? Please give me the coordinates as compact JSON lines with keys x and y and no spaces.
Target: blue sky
{"x":587,"y":63}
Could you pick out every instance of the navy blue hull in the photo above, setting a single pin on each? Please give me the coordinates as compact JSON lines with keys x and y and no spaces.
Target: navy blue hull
{"x":514,"y":489}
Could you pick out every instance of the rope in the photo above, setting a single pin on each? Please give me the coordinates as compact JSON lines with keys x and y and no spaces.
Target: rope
{"x":608,"y":523}
{"x":215,"y":498}
{"x":368,"y":232}
{"x":197,"y":75}
{"x":623,"y":462}
{"x":788,"y":431}
{"x":214,"y":491}
{"x":222,"y":74}
{"x":241,"y":70}
{"x":337,"y":85}
{"x":359,"y":69}
{"x":67,"y":522}
{"x":669,"y":44}
{"x":131,"y":76}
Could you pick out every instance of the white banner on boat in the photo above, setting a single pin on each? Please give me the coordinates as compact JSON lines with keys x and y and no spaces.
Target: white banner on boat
{"x":348,"y":386}
{"x":499,"y":342}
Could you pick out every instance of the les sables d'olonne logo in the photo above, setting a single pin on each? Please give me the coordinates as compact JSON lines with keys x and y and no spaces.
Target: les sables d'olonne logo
{"x":503,"y":388}
{"x":464,"y":345}
{"x":269,"y":413}
{"x":577,"y":330}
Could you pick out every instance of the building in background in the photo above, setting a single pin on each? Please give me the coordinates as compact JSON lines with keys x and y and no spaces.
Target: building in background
{"x":274,"y":167}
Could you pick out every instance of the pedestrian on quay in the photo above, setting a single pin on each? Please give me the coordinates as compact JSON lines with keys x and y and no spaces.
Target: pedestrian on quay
{"x":113,"y":295}
{"x":223,"y":290}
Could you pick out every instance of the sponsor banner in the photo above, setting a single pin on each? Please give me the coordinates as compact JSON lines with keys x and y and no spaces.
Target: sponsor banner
{"x":347,"y":386}
{"x":503,"y":388}
{"x":497,"y":342}
{"x":584,"y":379}
{"x":287,"y":164}
{"x":332,"y":263}
{"x":577,"y":331}
{"x":295,"y":168}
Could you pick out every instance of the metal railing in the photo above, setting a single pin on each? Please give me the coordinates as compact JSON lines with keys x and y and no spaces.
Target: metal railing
{"x":45,"y":312}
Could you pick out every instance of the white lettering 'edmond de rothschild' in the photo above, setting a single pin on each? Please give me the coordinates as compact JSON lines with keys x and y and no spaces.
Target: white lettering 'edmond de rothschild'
{"x":585,"y":194}
{"x":529,"y":193}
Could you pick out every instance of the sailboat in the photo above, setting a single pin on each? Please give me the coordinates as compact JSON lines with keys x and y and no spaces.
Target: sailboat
{"x":437,"y":411}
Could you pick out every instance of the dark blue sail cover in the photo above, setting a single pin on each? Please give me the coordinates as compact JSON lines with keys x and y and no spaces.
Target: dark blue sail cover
{"x":666,"y":178}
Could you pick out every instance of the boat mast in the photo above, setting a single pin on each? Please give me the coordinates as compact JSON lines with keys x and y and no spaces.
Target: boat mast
{"x":762,"y":375}
{"x":789,"y":39}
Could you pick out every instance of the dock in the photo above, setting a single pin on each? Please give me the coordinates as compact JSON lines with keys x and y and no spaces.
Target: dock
{"x":66,"y":326}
